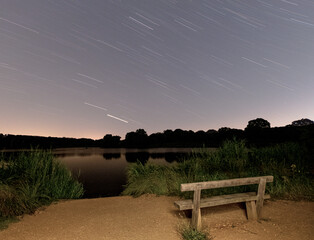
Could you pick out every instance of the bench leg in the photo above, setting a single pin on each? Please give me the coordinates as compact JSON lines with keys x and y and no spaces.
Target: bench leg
{"x":196,"y":219}
{"x":196,"y":211}
{"x":251,"y":210}
{"x":260,"y":197}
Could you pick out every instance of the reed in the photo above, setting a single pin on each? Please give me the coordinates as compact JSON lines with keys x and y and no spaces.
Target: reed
{"x":32,"y":179}
{"x":286,"y":162}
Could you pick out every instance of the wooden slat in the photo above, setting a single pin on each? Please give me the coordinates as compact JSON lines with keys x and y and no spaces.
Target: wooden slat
{"x":184,"y":204}
{"x":224,"y":183}
{"x":219,"y":200}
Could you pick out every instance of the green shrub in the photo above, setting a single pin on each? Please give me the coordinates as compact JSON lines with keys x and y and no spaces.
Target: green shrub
{"x":150,"y":178}
{"x":189,"y":233}
{"x":33,"y":179}
{"x":233,"y":155}
{"x":286,"y":162}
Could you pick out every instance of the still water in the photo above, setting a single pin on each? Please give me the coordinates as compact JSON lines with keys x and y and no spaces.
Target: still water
{"x":103,"y":171}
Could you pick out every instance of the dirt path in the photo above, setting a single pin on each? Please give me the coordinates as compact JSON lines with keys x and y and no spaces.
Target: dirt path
{"x":154,"y":218}
{"x":282,"y":220}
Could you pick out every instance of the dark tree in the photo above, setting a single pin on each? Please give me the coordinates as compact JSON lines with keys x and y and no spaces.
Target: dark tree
{"x":224,"y":130}
{"x":226,"y":133}
{"x":156,"y":140}
{"x":302,"y":122}
{"x":137,"y":139}
{"x":257,"y":132}
{"x":258,"y":123}
{"x":110,"y":141}
{"x":141,"y":132}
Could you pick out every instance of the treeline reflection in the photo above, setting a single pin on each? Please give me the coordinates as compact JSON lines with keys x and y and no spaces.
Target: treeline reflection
{"x":131,"y":157}
{"x":110,"y":156}
{"x":144,"y":156}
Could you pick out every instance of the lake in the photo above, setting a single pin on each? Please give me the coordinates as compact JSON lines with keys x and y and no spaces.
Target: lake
{"x":103,"y":171}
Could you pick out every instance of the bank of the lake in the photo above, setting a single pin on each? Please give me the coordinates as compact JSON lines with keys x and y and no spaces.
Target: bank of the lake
{"x":290,"y":163}
{"x":103,"y":171}
{"x":155,"y":218}
{"x":29,"y":180}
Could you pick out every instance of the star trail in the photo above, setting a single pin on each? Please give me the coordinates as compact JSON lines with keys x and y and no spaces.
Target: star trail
{"x":79,"y":68}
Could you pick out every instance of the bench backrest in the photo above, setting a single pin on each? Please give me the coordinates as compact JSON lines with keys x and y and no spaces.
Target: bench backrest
{"x":224,"y":183}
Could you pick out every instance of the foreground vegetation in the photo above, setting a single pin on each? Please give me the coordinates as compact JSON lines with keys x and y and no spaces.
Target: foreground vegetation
{"x":289,"y":163}
{"x":188,"y":233}
{"x":33,"y":179}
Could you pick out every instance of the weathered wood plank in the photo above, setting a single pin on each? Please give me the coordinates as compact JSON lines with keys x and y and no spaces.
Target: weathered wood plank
{"x":251,"y":210}
{"x":225,"y":183}
{"x":260,"y":197}
{"x":196,"y":211}
{"x":219,"y":200}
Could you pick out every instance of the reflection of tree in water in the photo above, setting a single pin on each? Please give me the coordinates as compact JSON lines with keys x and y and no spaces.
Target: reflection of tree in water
{"x":175,"y":156}
{"x":168,"y":156}
{"x":137,"y":156}
{"x":83,"y":154}
{"x":63,"y":155}
{"x":109,"y":156}
{"x":157,"y":155}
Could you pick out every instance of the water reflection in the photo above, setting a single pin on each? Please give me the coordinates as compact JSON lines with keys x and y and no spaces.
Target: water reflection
{"x":110,"y":156}
{"x":176,"y":156}
{"x":103,"y":171}
{"x":141,"y":157}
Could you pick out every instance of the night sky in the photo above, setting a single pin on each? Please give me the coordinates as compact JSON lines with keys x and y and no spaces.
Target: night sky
{"x":89,"y":68}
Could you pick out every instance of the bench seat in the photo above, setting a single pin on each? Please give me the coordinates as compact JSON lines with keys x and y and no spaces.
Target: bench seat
{"x":253,"y":200}
{"x":219,"y":200}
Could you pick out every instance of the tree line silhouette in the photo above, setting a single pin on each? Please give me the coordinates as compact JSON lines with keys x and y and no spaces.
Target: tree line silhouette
{"x":257,"y":133}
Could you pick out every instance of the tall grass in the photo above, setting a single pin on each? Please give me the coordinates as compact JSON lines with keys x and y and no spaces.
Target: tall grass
{"x":150,"y":178}
{"x":33,"y":179}
{"x":286,"y":162}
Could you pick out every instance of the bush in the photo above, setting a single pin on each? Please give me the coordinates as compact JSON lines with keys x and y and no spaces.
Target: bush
{"x":189,"y":233}
{"x":286,"y":162}
{"x":33,"y":179}
{"x":150,"y":178}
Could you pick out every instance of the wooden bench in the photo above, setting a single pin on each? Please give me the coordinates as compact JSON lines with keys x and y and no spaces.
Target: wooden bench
{"x":253,"y":200}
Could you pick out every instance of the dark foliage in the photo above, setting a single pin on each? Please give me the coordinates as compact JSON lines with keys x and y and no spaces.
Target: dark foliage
{"x":257,"y":123}
{"x":136,"y":139}
{"x":257,"y":133}
{"x":302,"y":122}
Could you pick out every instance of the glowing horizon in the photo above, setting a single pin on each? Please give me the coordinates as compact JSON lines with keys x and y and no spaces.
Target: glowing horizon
{"x":86,"y":69}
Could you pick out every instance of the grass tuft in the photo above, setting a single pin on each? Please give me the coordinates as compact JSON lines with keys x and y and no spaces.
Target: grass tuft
{"x":4,"y":222}
{"x":32,"y":179}
{"x":188,"y":233}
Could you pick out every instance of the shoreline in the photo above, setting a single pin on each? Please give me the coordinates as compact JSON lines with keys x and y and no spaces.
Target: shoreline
{"x":155,"y":217}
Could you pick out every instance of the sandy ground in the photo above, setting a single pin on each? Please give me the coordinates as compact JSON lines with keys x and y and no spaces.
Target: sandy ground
{"x":150,"y":217}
